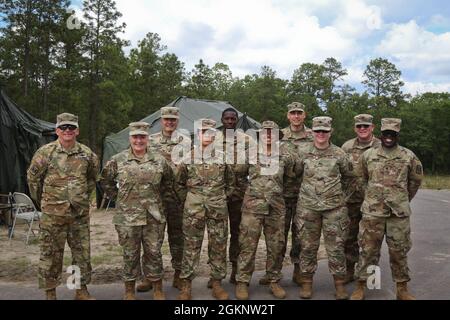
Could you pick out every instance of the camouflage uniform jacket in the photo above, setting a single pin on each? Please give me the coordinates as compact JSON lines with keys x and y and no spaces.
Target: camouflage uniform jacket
{"x":265,"y":187}
{"x":209,"y":180}
{"x":355,"y":149}
{"x":326,"y":173}
{"x":292,"y":140}
{"x":393,"y":178}
{"x":164,"y":145}
{"x":240,"y":170}
{"x":137,"y":183}
{"x":59,"y":178}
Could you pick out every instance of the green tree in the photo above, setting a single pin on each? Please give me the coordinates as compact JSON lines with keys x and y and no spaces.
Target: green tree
{"x":222,"y":80}
{"x":200,"y":82}
{"x":333,"y":72}
{"x":155,"y":78}
{"x":144,"y":74}
{"x":28,"y":48}
{"x":426,"y":130}
{"x":103,"y":47}
{"x":383,"y":83}
{"x":308,"y":85}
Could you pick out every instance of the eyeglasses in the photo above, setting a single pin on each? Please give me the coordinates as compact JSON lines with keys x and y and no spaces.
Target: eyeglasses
{"x":365,"y":126}
{"x":321,"y":131}
{"x":69,"y":127}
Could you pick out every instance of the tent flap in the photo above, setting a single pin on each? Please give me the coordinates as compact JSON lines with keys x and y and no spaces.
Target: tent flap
{"x":21,"y":135}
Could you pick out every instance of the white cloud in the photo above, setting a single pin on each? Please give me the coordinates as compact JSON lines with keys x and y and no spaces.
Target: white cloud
{"x":414,"y":88}
{"x":414,"y":48}
{"x":358,"y":20}
{"x":248,"y":34}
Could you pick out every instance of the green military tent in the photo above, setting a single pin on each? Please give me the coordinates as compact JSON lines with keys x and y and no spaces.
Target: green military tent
{"x":190,"y":111}
{"x":21,"y":135}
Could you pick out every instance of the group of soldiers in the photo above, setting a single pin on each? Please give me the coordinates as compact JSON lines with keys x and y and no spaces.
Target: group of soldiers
{"x":354,"y":196}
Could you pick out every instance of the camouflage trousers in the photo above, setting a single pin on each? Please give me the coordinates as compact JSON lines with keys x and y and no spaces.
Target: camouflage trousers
{"x":197,"y":216}
{"x":272,"y":224}
{"x":291,"y":209}
{"x":174,"y":214}
{"x":351,"y":243}
{"x":54,"y":232}
{"x":150,"y":237}
{"x":371,"y":233}
{"x":234,"y":214}
{"x":334,"y":224}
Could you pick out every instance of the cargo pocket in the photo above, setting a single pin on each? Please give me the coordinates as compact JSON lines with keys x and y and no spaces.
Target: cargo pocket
{"x":46,"y":242}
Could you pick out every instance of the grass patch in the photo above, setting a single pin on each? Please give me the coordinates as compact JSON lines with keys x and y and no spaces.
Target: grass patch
{"x":436,"y":182}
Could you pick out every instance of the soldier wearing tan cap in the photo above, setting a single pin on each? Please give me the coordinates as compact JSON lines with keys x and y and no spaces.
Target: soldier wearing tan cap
{"x":164,"y":142}
{"x":263,"y":210}
{"x":355,"y":195}
{"x":138,"y":179}
{"x":293,"y":137}
{"x":204,"y":185}
{"x":326,"y":171}
{"x":61,"y":178}
{"x":393,"y":175}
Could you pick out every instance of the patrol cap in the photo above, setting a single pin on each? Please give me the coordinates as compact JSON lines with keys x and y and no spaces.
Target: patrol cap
{"x":268,"y":125}
{"x":364,"y":119}
{"x":170,"y":113}
{"x":66,"y":118}
{"x":322,"y":123}
{"x":391,"y":124}
{"x":139,"y":128}
{"x":296,"y":106}
{"x":207,"y":124}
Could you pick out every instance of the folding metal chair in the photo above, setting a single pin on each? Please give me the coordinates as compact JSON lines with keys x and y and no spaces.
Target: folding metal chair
{"x":24,"y":209}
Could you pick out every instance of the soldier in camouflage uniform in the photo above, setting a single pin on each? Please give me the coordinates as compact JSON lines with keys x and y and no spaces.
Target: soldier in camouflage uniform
{"x":240,"y":170}
{"x":355,"y":195}
{"x":264,"y":209}
{"x":393,"y":175}
{"x":61,"y":178}
{"x":205,"y":184}
{"x":326,"y":172}
{"x":164,"y":142}
{"x":137,"y":178}
{"x":294,"y":136}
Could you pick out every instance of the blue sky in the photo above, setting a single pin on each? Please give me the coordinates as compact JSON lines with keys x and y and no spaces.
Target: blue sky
{"x":246,"y":34}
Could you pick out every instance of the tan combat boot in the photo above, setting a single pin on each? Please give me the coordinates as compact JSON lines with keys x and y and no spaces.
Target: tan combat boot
{"x":50,"y":294}
{"x":241,"y":291}
{"x":296,"y":275}
{"x":158,"y":293}
{"x":83,"y":294}
{"x":402,"y":292}
{"x":130,"y":293}
{"x":264,"y":281}
{"x":277,"y":291}
{"x":359,"y":294}
{"x":144,"y":286}
{"x":186,"y":287}
{"x":306,"y":286}
{"x":218,"y":292}
{"x":233,"y":272}
{"x":176,"y":280}
{"x":341,"y":293}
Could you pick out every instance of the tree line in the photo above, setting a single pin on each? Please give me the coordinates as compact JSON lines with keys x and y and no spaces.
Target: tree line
{"x":48,"y":68}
